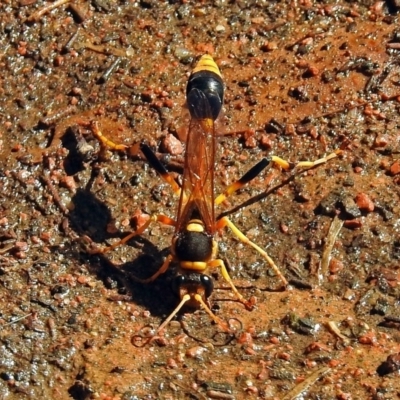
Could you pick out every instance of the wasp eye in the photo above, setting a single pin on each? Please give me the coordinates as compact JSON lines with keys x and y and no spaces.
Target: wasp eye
{"x":207,"y":284}
{"x":177,"y":283}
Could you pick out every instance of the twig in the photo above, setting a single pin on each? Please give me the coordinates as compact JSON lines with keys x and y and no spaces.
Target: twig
{"x":54,"y":193}
{"x":335,"y":329}
{"x":108,"y":50}
{"x":334,"y":230}
{"x":39,"y":13}
{"x":106,"y":75}
{"x":17,"y":320}
{"x":7,"y":247}
{"x":303,"y":386}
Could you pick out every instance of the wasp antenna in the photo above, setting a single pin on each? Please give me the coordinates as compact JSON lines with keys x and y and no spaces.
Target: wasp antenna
{"x":183,"y":301}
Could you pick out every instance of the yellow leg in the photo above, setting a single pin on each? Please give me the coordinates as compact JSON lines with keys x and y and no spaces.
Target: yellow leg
{"x":261,"y":165}
{"x":104,"y":141}
{"x":304,"y":164}
{"x":246,"y":178}
{"x":159,"y":167}
{"x":219,"y":263}
{"x":224,"y":221}
{"x":154,"y":218}
{"x":151,"y":157}
{"x":161,"y":270}
{"x":281,"y":162}
{"x":323,"y":160}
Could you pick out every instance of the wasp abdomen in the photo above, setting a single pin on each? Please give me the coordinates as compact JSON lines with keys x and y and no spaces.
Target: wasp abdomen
{"x":205,"y":78}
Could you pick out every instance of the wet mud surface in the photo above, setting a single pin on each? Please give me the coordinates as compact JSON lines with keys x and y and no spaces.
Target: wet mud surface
{"x":303,"y":79}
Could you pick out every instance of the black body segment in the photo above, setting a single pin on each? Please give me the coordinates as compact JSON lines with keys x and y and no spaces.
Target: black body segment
{"x":211,"y":86}
{"x":191,"y":281}
{"x":206,"y":79}
{"x":193,"y":246}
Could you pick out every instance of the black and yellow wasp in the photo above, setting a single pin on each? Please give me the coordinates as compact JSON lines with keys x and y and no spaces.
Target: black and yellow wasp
{"x":194,"y":246}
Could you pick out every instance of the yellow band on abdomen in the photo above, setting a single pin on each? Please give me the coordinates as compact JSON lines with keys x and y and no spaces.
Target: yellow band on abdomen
{"x":206,"y":63}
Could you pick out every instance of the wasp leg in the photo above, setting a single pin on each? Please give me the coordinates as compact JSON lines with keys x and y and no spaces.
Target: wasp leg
{"x":160,"y":271}
{"x":256,"y":170}
{"x":105,"y":142}
{"x":224,"y":221}
{"x":250,"y":175}
{"x":249,"y":304}
{"x":157,"y":165}
{"x":305,"y":164}
{"x":154,"y":218}
{"x":246,"y":178}
{"x":148,"y":153}
{"x":323,"y":160}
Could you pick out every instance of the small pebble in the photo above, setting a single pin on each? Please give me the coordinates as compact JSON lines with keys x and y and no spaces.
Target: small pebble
{"x":172,"y":145}
{"x":395,"y":168}
{"x":364,"y":202}
{"x":353,"y":223}
{"x":195,"y":352}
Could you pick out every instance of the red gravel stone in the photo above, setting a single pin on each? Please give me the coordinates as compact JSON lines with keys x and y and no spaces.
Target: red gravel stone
{"x":353,"y":223}
{"x":364,"y":202}
{"x":139,"y":219}
{"x":172,"y":145}
{"x":395,"y":168}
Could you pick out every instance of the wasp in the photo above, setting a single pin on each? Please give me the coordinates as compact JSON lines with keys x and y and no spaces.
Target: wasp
{"x":194,"y":246}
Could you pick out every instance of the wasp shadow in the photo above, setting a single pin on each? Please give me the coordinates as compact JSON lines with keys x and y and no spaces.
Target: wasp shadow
{"x":90,"y":217}
{"x":79,"y":150}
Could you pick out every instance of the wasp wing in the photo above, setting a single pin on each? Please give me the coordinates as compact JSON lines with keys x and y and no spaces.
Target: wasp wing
{"x":197,"y":195}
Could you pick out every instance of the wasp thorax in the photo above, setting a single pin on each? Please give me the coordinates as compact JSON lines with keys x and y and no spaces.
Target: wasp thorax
{"x":193,"y":246}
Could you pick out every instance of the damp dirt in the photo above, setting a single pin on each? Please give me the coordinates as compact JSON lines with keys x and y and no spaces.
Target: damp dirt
{"x":303,"y":79}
